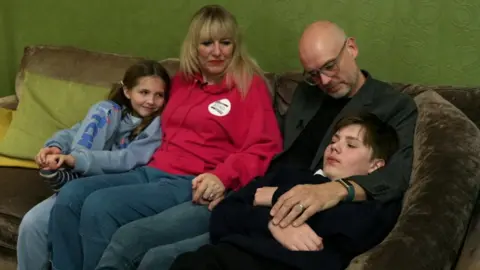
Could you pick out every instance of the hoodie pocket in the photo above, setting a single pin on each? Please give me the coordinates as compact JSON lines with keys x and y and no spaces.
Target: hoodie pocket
{"x":189,"y":166}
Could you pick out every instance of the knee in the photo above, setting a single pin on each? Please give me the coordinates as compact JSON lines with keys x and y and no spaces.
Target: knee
{"x":125,"y":236}
{"x":151,"y":260}
{"x":71,"y":194}
{"x":121,"y":252}
{"x":33,"y":224}
{"x":99,"y":212}
{"x":100,"y":204}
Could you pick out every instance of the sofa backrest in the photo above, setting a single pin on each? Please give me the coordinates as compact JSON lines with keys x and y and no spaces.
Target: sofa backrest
{"x":77,"y":65}
{"x":102,"y":69}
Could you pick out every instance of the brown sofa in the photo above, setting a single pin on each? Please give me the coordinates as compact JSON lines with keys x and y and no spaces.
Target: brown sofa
{"x":439,"y":227}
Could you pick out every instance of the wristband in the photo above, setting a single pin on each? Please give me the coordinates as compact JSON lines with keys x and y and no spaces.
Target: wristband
{"x":350,"y":190}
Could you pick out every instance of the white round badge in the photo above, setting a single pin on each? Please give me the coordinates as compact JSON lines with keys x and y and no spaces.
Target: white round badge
{"x":220,"y":107}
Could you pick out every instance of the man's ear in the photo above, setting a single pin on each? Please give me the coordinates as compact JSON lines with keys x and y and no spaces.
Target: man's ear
{"x":376,"y":164}
{"x":352,"y":47}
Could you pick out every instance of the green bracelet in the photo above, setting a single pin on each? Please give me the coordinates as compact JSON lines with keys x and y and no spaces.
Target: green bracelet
{"x":350,"y":190}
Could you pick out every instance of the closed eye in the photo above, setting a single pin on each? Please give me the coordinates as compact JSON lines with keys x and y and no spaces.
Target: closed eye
{"x":329,"y":66}
{"x":207,"y":43}
{"x":226,"y":42}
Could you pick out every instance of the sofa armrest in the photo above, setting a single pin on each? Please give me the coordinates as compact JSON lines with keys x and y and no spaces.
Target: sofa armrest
{"x":439,"y":204}
{"x":9,"y":102}
{"x":470,"y":255}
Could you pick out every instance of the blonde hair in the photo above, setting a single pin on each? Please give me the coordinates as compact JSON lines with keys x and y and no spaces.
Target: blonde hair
{"x":215,"y":22}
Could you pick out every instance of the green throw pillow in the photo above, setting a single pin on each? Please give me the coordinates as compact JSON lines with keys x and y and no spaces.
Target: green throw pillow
{"x":46,"y":106}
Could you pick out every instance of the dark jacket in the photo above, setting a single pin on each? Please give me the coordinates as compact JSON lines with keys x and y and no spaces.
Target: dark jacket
{"x":347,"y":229}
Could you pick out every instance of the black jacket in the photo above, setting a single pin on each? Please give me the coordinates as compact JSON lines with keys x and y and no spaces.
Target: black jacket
{"x":347,"y":229}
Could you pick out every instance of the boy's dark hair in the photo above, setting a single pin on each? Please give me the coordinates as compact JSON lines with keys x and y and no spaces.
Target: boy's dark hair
{"x":130,"y":79}
{"x":379,"y":135}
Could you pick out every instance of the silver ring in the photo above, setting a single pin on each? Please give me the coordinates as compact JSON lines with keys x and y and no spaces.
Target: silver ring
{"x":299,"y":207}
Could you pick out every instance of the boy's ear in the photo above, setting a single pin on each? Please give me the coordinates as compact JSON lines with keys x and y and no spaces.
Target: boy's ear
{"x":376,"y":164}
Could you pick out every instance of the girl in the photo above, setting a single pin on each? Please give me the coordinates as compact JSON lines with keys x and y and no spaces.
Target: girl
{"x":115,"y":136}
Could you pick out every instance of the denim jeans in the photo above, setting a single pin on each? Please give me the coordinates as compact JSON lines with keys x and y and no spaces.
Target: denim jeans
{"x":89,"y":211}
{"x":160,"y":235}
{"x":162,"y":257}
{"x":32,"y":243}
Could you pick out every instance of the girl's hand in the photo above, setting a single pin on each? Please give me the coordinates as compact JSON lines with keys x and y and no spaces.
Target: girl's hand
{"x":41,"y":157}
{"x":55,"y":161}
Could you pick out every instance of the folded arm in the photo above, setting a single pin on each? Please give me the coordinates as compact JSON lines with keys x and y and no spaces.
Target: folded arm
{"x":137,"y":153}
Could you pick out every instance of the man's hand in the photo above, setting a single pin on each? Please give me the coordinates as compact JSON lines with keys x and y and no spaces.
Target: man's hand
{"x":303,"y":201}
{"x":263,"y":196}
{"x":41,"y":157}
{"x":206,"y":188}
{"x":301,"y":238}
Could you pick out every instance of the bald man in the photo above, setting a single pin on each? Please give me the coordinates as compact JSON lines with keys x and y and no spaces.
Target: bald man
{"x":334,"y":86}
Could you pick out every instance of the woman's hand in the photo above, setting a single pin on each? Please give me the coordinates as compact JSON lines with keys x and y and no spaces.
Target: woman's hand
{"x":263,"y":196}
{"x":41,"y":157}
{"x":206,"y":188}
{"x":55,"y":161}
{"x":301,"y":238}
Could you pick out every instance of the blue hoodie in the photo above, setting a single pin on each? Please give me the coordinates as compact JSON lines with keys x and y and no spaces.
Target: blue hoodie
{"x":100,"y":142}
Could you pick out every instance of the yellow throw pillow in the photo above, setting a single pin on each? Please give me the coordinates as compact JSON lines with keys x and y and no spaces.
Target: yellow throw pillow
{"x":46,"y":106}
{"x":5,"y":119}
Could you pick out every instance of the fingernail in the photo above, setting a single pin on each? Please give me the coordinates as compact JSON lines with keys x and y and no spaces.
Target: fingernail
{"x":275,"y":221}
{"x":295,"y":224}
{"x":282,"y":224}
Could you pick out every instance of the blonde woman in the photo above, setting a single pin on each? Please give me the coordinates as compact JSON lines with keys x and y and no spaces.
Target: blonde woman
{"x":219,"y":133}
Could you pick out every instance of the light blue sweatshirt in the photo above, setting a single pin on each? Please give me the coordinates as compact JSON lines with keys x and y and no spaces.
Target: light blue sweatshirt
{"x":100,"y":142}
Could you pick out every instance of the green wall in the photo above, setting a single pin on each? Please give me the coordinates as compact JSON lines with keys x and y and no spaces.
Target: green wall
{"x":422,"y":41}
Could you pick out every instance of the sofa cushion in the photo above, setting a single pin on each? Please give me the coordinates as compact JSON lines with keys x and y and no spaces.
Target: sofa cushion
{"x":46,"y":106}
{"x":444,"y":187}
{"x":20,"y":190}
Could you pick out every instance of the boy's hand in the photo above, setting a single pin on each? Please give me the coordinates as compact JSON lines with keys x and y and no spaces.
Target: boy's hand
{"x":263,"y":196}
{"x":301,"y":238}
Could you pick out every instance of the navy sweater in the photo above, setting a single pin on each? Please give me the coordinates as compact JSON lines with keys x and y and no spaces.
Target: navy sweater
{"x":347,"y":229}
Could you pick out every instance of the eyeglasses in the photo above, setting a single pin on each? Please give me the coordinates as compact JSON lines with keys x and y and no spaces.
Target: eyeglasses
{"x":330,"y":69}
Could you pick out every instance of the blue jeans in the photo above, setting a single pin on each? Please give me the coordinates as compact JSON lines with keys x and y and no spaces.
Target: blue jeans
{"x":160,"y":236}
{"x":89,"y":211}
{"x":162,"y":257}
{"x":32,"y":243}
